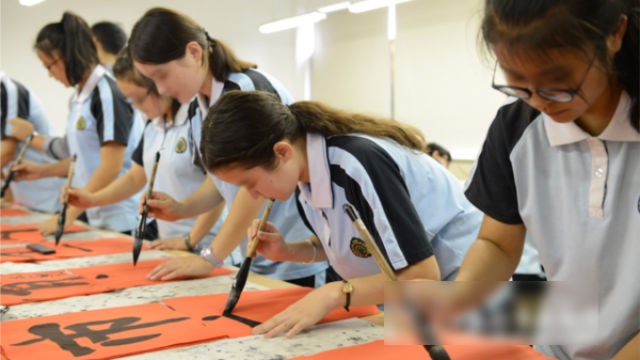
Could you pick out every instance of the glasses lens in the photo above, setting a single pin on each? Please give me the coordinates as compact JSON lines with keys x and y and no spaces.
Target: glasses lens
{"x":513,"y":91}
{"x":556,"y":95}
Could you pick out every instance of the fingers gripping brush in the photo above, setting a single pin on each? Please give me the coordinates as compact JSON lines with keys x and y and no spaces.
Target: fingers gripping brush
{"x":437,"y":352}
{"x":63,"y":213}
{"x":7,"y":182}
{"x":142,"y":222}
{"x":243,"y":273}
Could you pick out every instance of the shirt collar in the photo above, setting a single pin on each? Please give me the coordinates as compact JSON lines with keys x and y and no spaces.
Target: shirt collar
{"x":318,"y":192}
{"x":619,"y":128}
{"x":179,"y":118}
{"x":1,"y":75}
{"x":216,"y":91}
{"x":91,"y":83}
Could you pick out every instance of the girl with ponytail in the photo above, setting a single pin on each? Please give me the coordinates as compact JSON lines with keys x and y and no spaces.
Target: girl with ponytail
{"x":185,"y":62}
{"x":103,"y":130}
{"x":413,"y":207}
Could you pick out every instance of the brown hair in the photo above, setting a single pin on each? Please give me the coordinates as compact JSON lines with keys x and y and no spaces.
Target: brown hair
{"x":161,"y":35}
{"x":242,"y":127}
{"x":583,"y":25}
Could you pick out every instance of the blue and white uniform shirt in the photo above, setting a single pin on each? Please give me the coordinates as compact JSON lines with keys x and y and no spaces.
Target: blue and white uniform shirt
{"x":283,"y":214}
{"x":579,"y":198}
{"x":412,"y":206}
{"x":18,"y":101}
{"x":176,"y":174}
{"x":100,"y":114}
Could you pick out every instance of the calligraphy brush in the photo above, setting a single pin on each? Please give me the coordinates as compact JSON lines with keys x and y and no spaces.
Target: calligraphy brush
{"x":241,"y":276}
{"x":437,"y":352}
{"x":5,"y":186}
{"x":142,"y":222}
{"x":63,"y":213}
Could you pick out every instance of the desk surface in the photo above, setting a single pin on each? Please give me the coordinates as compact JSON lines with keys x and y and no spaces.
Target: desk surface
{"x":319,"y":338}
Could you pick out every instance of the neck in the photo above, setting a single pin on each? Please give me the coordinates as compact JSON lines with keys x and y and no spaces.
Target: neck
{"x":301,"y":150}
{"x":599,"y":115}
{"x":205,"y":89}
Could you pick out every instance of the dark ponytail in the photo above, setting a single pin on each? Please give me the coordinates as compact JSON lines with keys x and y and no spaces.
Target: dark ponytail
{"x":242,"y":127}
{"x":584,"y":25}
{"x":161,"y":35}
{"x":72,"y":38}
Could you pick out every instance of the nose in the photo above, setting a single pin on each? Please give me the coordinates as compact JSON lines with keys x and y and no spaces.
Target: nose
{"x":537,"y":102}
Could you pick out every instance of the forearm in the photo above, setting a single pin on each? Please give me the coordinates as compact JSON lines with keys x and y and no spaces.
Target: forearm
{"x":38,"y":142}
{"x":204,"y":223}
{"x":486,"y":262}
{"x":204,"y":199}
{"x":57,"y":169}
{"x":242,"y":213}
{"x":122,"y":188}
{"x":303,"y":251}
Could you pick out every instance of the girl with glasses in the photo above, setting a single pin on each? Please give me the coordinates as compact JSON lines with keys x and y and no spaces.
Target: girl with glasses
{"x":103,"y":130}
{"x":184,"y":61}
{"x":169,"y":132}
{"x":561,"y":162}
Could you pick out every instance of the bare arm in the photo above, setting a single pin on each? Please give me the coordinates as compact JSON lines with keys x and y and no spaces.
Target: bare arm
{"x":164,"y":207}
{"x":121,"y":189}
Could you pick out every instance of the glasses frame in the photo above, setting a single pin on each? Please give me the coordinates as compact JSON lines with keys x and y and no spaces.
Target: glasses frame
{"x":50,"y":65}
{"x":526,"y":93}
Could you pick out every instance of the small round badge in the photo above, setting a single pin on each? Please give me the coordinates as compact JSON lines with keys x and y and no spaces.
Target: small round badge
{"x":359,"y":248}
{"x":81,"y":123}
{"x":181,"y":145}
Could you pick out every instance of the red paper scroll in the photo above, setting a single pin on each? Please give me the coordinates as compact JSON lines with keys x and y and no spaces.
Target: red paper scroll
{"x":69,"y":249}
{"x":28,"y":233}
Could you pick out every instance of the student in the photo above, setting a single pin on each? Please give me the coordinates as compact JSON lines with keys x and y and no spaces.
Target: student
{"x":102,"y":128}
{"x":18,"y":102}
{"x":562,"y":161}
{"x":184,"y":61}
{"x":109,"y":39}
{"x":411,"y":205}
{"x":169,"y":132}
{"x":439,"y":153}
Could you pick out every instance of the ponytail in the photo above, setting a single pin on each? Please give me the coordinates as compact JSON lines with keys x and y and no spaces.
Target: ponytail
{"x":162,"y":35}
{"x":242,"y":127}
{"x":72,"y":38}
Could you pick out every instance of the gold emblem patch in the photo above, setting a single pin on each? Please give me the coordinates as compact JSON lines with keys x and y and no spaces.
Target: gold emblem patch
{"x":181,"y":145}
{"x":359,"y":248}
{"x":80,"y":123}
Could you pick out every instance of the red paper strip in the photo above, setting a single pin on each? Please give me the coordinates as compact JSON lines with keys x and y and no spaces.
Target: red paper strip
{"x":257,"y":306}
{"x":50,"y":285}
{"x":13,"y":212}
{"x":28,"y":233}
{"x":69,"y":249}
{"x":101,"y":334}
{"x":378,"y":350}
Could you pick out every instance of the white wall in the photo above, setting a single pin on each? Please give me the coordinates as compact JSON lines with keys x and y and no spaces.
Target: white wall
{"x":442,"y":86}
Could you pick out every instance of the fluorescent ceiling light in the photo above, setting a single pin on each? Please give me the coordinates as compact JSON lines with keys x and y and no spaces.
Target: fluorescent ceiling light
{"x":292,"y":22}
{"x":366,"y":5}
{"x":335,"y":7}
{"x":30,"y":2}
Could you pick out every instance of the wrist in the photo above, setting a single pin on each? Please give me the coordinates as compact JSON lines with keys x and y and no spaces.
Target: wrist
{"x":207,"y":254}
{"x":187,"y":242}
{"x":314,"y":246}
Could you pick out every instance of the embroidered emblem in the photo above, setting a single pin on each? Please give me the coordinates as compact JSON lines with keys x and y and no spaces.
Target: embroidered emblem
{"x":80,"y":123}
{"x":359,"y":248}
{"x":181,"y":146}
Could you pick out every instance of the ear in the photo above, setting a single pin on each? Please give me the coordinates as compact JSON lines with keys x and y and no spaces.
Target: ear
{"x":283,"y":150}
{"x":614,"y":40}
{"x":194,"y":51}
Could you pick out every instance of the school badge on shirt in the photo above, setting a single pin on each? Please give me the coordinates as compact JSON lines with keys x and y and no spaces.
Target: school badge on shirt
{"x":359,"y":248}
{"x":81,"y":123}
{"x":181,"y":145}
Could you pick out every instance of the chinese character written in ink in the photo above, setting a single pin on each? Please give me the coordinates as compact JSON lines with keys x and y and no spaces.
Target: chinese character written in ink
{"x":25,"y":288}
{"x":51,"y":331}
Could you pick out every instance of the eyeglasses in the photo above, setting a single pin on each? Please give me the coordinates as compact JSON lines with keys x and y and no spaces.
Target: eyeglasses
{"x":49,"y":66}
{"x":552,"y":94}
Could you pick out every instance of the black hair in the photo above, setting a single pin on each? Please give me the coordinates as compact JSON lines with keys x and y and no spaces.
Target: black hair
{"x":70,"y":36}
{"x":110,"y":36}
{"x":431,"y":147}
{"x":583,"y":25}
{"x":242,"y":127}
{"x":161,"y":35}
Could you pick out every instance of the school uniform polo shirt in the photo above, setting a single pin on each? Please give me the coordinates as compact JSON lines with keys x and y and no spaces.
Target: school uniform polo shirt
{"x":176,"y":174}
{"x":412,"y":206}
{"x":579,"y":197}
{"x":18,"y":101}
{"x":99,"y":114}
{"x":284,"y":215}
